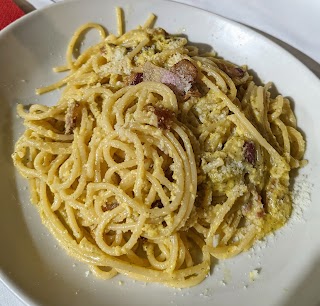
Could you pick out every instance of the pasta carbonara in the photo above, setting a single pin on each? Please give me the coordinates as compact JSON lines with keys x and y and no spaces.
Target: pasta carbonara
{"x":157,"y":158}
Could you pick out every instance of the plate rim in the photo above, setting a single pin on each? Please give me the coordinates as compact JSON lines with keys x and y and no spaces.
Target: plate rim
{"x":6,"y":278}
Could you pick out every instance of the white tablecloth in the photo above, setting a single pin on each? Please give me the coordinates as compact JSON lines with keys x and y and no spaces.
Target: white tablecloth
{"x":293,"y":24}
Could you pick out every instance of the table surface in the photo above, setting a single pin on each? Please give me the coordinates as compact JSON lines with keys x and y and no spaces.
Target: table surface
{"x":292,"y":24}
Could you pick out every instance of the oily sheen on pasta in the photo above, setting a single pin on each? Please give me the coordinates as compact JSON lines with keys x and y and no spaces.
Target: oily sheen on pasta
{"x":157,"y":158}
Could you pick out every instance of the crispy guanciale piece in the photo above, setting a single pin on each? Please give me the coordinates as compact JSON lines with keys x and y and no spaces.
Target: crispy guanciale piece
{"x":185,"y":70}
{"x":249,"y":152}
{"x":110,"y":206}
{"x":71,"y":117}
{"x":180,"y":78}
{"x":232,"y":71}
{"x":134,"y":78}
{"x":164,"y":115}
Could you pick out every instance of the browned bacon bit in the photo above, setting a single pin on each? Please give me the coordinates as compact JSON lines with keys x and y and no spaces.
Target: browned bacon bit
{"x":231,"y":71}
{"x":179,"y":78}
{"x":260,"y":214}
{"x":103,"y":50}
{"x":71,"y":117}
{"x":154,"y":73}
{"x":110,"y":206}
{"x":246,"y":208}
{"x":164,"y":115}
{"x":185,"y":70}
{"x":193,"y":92}
{"x":135,"y":78}
{"x":157,"y":204}
{"x":249,"y":152}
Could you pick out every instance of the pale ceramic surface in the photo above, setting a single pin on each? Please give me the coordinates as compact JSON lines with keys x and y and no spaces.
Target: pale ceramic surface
{"x":42,"y":274}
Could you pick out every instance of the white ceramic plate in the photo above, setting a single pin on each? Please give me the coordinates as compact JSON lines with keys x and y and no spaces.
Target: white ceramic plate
{"x":34,"y":266}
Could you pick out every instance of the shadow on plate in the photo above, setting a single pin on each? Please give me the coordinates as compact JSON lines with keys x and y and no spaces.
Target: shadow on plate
{"x":308,"y":289}
{"x":305,"y":59}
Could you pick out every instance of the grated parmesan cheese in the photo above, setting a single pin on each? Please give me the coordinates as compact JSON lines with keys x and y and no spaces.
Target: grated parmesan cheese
{"x":254,"y":274}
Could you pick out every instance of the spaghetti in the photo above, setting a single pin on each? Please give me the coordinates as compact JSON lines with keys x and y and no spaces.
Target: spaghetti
{"x":156,"y":157}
